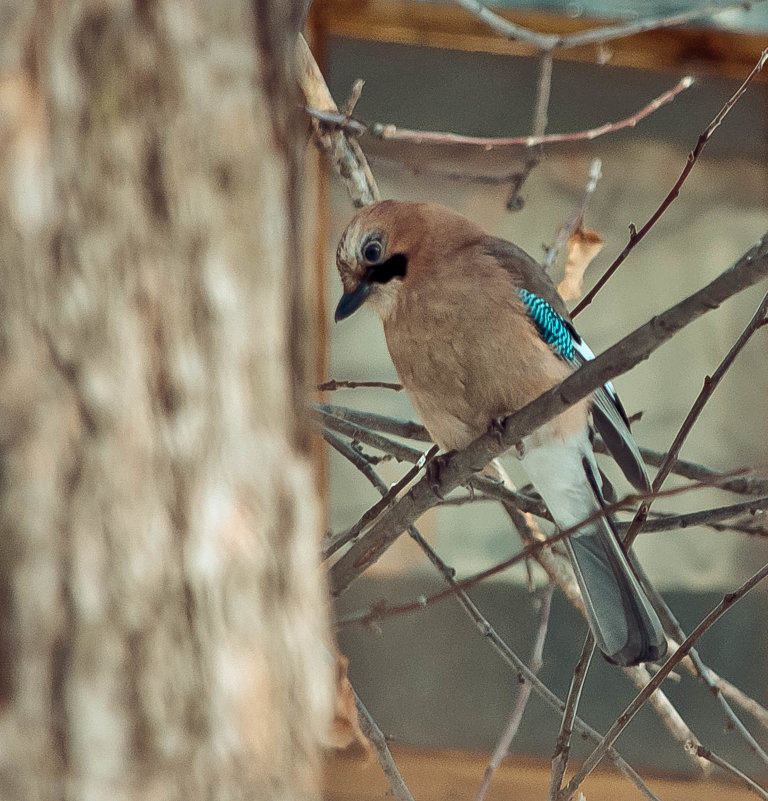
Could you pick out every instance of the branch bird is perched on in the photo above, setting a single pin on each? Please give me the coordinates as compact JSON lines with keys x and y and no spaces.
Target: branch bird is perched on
{"x":476,"y":330}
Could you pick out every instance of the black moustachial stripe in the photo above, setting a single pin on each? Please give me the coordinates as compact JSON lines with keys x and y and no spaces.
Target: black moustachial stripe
{"x":394,"y":266}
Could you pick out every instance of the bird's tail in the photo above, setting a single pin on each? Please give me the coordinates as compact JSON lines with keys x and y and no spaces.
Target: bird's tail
{"x":626,"y":627}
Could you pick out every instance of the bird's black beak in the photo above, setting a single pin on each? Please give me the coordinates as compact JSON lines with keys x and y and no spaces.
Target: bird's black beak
{"x":351,"y":301}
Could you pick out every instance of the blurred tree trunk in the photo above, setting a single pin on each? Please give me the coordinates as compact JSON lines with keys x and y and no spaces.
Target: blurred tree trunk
{"x":161,"y":609}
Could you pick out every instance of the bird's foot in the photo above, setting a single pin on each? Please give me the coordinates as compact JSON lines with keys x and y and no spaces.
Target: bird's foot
{"x":434,"y":472}
{"x":496,"y":428}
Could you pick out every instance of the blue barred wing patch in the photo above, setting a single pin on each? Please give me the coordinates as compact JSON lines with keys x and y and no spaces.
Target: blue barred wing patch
{"x":551,"y":326}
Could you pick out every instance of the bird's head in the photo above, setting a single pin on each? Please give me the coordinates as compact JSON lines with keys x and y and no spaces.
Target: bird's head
{"x":372,"y":258}
{"x":391,"y":246}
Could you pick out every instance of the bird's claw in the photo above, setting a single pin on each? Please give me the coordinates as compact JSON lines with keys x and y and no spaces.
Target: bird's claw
{"x":496,"y":428}
{"x":434,"y":471}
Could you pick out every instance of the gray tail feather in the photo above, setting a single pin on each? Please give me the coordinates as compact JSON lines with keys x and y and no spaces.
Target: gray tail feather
{"x":626,"y":627}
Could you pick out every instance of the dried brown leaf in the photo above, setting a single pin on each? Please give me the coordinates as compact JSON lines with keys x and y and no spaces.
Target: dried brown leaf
{"x":581,"y":248}
{"x":345,"y":733}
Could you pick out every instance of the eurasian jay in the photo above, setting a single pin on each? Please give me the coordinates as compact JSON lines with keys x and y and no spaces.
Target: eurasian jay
{"x":476,"y":330}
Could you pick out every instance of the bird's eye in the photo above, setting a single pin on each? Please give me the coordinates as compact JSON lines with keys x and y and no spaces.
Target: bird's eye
{"x":372,"y":251}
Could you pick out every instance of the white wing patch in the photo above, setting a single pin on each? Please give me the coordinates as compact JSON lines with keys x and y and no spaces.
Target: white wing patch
{"x":587,"y":355}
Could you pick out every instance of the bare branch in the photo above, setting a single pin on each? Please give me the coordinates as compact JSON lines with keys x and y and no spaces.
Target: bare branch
{"x":400,"y":791}
{"x":635,"y":235}
{"x":624,"y":29}
{"x":733,"y":693}
{"x":532,"y":548}
{"x":710,"y":384}
{"x":345,"y":154}
{"x":563,"y":743}
{"x":403,"y":453}
{"x":597,"y":755}
{"x":354,"y":127}
{"x":741,"y":484}
{"x":507,"y":29}
{"x":705,"y":753}
{"x":543,"y":89}
{"x":343,"y":420}
{"x":516,"y":718}
{"x":704,"y":518}
{"x":510,"y":657}
{"x":374,"y":511}
{"x":674,"y":628}
{"x":332,"y":385}
{"x":348,"y":452}
{"x":704,"y":673}
{"x":389,"y":425}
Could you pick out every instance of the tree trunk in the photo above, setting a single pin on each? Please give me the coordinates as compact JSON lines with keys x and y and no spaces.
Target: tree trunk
{"x":162,"y":611}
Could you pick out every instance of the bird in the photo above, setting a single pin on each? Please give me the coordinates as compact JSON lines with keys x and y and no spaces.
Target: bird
{"x":476,"y":330}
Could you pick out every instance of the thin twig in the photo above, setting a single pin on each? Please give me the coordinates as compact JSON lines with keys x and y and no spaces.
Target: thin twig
{"x":560,"y":571}
{"x":389,"y":425}
{"x":403,"y":453}
{"x":369,"y":728}
{"x":705,"y":753}
{"x":373,"y":512}
{"x":742,"y":485}
{"x":483,"y":625}
{"x":703,"y":518}
{"x":748,"y":484}
{"x":563,"y":743}
{"x":710,"y":384}
{"x":543,"y":90}
{"x":355,"y":127}
{"x":576,"y":219}
{"x":333,"y":384}
{"x":348,"y":452}
{"x":525,"y":503}
{"x":624,"y":29}
{"x":507,"y":29}
{"x":344,"y":152}
{"x":640,"y":519}
{"x":621,"y":723}
{"x":555,"y":41}
{"x":531,"y":549}
{"x":635,"y":235}
{"x":739,"y":697}
{"x":515,"y":719}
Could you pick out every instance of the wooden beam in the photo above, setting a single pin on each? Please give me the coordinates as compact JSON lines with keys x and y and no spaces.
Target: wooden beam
{"x":434,"y":775}
{"x":690,"y":49}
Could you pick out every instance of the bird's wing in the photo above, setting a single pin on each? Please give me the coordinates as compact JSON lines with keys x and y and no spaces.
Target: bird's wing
{"x":613,"y":425}
{"x":549,"y":314}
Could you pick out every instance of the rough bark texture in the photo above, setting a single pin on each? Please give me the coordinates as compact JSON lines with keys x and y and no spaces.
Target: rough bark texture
{"x":161,"y":609}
